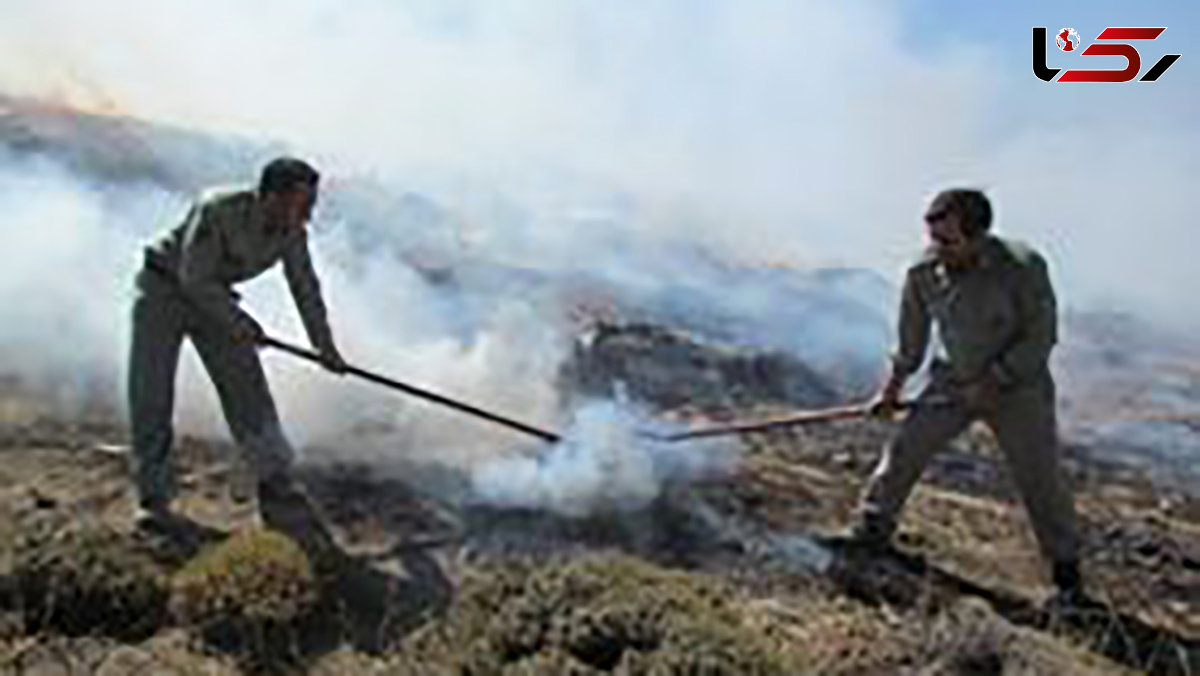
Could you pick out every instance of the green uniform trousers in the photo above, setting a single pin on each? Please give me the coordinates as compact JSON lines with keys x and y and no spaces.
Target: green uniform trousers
{"x":1025,"y":426}
{"x":162,"y":318}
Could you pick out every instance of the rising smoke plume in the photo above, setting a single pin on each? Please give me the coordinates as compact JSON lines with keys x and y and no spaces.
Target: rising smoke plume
{"x":605,"y":464}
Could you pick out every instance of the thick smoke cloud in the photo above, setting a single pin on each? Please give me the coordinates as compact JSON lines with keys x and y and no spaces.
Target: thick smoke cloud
{"x":62,"y":290}
{"x":621,"y":142}
{"x":716,"y":110}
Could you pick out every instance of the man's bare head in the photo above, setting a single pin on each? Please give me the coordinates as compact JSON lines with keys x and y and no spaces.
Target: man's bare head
{"x":288,"y":189}
{"x":957,"y":220}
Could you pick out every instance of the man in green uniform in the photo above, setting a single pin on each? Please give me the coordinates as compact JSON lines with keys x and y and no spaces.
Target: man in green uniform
{"x":996,"y":318}
{"x":185,"y":290}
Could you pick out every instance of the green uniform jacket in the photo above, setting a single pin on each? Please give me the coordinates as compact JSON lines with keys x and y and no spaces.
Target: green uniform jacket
{"x":999,"y":316}
{"x":224,"y":240}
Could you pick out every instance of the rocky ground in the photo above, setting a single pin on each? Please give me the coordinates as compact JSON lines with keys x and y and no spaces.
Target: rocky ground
{"x":731,"y":574}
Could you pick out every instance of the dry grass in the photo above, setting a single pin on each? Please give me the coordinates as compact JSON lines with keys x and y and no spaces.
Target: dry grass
{"x":166,"y":653}
{"x":604,"y":612}
{"x":249,"y":595}
{"x":599,"y":614}
{"x":88,"y":581}
{"x":258,"y":576}
{"x":833,"y":634}
{"x":969,"y":638}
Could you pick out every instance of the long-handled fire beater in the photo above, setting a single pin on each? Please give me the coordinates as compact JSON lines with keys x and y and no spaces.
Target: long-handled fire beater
{"x":797,"y":419}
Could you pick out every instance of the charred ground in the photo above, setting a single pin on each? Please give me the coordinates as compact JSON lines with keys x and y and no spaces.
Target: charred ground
{"x":714,"y":574}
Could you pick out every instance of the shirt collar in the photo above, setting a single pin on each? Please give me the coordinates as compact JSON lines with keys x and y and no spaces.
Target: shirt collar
{"x":988,"y":258}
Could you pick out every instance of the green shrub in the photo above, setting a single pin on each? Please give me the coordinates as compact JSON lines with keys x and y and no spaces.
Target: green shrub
{"x":249,"y":596}
{"x":259,"y":576}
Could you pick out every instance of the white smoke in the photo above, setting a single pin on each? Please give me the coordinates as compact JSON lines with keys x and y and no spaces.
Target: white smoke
{"x":66,"y":281}
{"x":794,"y":132}
{"x":604,"y":464}
{"x":687,"y":128}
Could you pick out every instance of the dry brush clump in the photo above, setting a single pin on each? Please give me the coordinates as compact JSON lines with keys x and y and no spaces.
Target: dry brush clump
{"x":836,"y":634}
{"x":88,"y":580}
{"x":602,"y":613}
{"x":165,"y":653}
{"x":968,"y":637}
{"x":249,"y":594}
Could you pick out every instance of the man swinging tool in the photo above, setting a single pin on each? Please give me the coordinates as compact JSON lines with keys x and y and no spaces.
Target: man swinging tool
{"x":185,"y":290}
{"x":996,"y":315}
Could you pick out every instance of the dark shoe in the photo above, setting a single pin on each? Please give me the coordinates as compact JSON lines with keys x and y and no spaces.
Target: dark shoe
{"x":153,"y":515}
{"x":869,"y":534}
{"x":285,"y":507}
{"x":1068,"y":580}
{"x":1070,"y":600}
{"x":156,"y":519}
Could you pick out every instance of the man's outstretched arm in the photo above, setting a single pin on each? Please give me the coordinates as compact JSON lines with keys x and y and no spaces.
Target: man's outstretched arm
{"x":306,"y":291}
